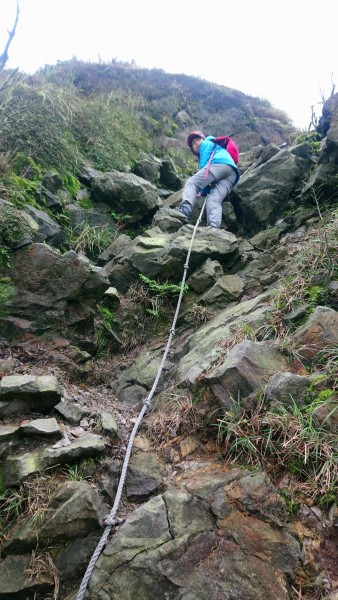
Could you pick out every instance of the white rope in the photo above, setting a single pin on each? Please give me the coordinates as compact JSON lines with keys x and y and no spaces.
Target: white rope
{"x":110,"y":520}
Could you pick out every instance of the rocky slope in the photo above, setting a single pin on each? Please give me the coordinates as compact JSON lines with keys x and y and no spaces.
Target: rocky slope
{"x":231,"y":487}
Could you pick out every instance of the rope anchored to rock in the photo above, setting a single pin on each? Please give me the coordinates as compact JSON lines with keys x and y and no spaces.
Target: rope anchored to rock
{"x":110,"y":520}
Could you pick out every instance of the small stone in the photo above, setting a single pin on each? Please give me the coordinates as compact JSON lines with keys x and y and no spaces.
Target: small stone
{"x":73,"y":413}
{"x":188,"y":446}
{"x":142,"y":443}
{"x":108,"y":424}
{"x":112,"y":293}
{"x":41,"y":428}
{"x":8,"y":431}
{"x":6,"y":366}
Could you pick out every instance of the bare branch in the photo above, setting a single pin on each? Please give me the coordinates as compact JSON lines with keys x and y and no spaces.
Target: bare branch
{"x":333,"y":85}
{"x":11,"y":34}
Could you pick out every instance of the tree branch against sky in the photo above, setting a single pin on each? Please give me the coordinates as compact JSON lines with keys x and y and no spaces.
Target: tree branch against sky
{"x":4,"y":56}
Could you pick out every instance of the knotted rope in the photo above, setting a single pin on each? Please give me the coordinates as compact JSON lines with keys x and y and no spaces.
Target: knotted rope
{"x":110,"y":520}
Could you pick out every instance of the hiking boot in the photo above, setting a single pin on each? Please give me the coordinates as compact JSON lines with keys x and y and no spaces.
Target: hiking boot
{"x":180,"y":214}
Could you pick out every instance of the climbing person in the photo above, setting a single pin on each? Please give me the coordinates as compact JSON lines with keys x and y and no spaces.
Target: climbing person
{"x":217,"y":175}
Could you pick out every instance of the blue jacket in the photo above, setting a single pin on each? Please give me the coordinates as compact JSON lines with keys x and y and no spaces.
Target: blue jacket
{"x":221,"y":156}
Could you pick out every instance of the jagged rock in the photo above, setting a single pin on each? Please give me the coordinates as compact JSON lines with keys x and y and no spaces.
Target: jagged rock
{"x":108,"y":424}
{"x":325,"y":177}
{"x":17,"y":228}
{"x":168,"y":174}
{"x":15,"y":407}
{"x":49,"y":231}
{"x":205,"y":276}
{"x":269,"y":237}
{"x":144,"y":476}
{"x":113,"y":294}
{"x":257,"y":155}
{"x":188,"y":445}
{"x":173,"y":200}
{"x":133,"y":395}
{"x":41,"y":428}
{"x":333,"y":291}
{"x":16,"y":581}
{"x":126,"y":193}
{"x":52,"y":181}
{"x":50,"y":200}
{"x":74,"y":511}
{"x":72,"y":412}
{"x":252,"y":493}
{"x":92,"y":216}
{"x":7,"y":432}
{"x":141,"y":375}
{"x":51,"y":292}
{"x":263,"y":193}
{"x":161,"y":254}
{"x":319,"y":332}
{"x":148,"y":168}
{"x":298,"y":312}
{"x":72,"y":560}
{"x":35,"y":393}
{"x":247,"y":367}
{"x":114,"y":249}
{"x":168,"y":219}
{"x":226,"y":289}
{"x":325,"y":415}
{"x":18,"y":468}
{"x":205,"y":347}
{"x":287,"y":388}
{"x":172,"y":546}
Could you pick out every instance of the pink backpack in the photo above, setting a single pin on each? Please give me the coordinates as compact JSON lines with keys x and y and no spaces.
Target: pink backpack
{"x":228,"y":144}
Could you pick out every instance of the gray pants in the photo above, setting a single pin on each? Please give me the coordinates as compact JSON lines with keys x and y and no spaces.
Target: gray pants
{"x":221,"y":178}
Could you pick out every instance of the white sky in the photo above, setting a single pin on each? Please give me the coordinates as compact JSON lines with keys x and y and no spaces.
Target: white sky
{"x":285,"y":51}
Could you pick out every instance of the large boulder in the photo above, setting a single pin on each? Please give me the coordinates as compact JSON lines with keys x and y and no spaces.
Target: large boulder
{"x":74,"y":511}
{"x":168,"y":174}
{"x":262,"y":194}
{"x":148,"y":168}
{"x":319,"y":333}
{"x":47,"y":291}
{"x":18,"y":467}
{"x":126,"y":194}
{"x":207,"y":346}
{"x":180,"y":546}
{"x":29,"y":392}
{"x":48,"y":231}
{"x":162,"y":254}
{"x":246,"y":369}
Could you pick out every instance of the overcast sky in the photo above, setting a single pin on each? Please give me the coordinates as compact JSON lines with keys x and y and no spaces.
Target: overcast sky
{"x":285,"y":51}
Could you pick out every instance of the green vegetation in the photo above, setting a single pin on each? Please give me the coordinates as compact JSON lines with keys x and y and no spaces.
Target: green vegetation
{"x":90,"y":240}
{"x":163,"y":289}
{"x":12,"y":504}
{"x":60,"y":128}
{"x":13,"y":228}
{"x":285,"y":438}
{"x":159,"y":293}
{"x":85,"y":203}
{"x":105,"y":325}
{"x":311,"y":137}
{"x":7,"y":289}
{"x":18,"y":190}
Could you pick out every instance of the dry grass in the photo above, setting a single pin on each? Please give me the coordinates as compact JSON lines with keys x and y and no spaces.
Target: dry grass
{"x":30,"y":500}
{"x":43,"y":569}
{"x":201,"y":314}
{"x":179,"y":415}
